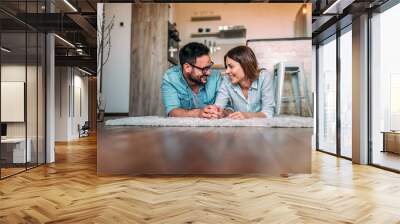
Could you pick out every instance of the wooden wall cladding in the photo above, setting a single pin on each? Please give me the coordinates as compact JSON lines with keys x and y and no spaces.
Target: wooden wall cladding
{"x":149,"y":58}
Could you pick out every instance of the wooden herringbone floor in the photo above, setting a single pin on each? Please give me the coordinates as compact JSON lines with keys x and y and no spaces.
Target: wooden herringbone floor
{"x":69,"y":191}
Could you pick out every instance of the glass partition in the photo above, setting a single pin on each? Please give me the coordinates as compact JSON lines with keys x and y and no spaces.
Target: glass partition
{"x":22,"y":90}
{"x":385,"y":89}
{"x":327,"y":96}
{"x":346,"y":93}
{"x":14,"y":153}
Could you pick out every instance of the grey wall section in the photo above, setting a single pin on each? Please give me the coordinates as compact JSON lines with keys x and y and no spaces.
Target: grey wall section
{"x":149,"y":58}
{"x":62,"y":82}
{"x":71,"y":102}
{"x":360,"y":90}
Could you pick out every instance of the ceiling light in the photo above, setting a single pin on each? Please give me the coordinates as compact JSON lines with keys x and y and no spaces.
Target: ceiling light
{"x":5,"y":50}
{"x":337,"y":7}
{"x":64,"y":40}
{"x":70,"y":5}
{"x":84,"y":71}
{"x":304,"y":10}
{"x":331,"y":7}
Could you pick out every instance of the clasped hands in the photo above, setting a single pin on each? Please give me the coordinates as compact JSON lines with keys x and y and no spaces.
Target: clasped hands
{"x":216,"y":112}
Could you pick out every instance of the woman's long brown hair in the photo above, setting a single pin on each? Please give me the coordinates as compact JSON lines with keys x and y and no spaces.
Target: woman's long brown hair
{"x":247,"y":60}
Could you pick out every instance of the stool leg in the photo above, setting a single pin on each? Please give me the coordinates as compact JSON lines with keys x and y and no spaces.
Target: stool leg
{"x":279,"y":78}
{"x":296,"y":92}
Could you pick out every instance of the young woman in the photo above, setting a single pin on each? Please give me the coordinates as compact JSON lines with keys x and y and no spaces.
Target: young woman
{"x":247,"y":89}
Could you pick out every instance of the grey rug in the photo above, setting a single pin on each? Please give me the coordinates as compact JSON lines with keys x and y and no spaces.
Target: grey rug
{"x":280,"y":121}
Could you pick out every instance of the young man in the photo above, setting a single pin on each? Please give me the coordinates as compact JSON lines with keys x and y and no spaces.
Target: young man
{"x":190,"y":89}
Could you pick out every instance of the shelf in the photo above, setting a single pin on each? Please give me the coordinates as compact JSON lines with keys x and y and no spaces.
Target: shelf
{"x":204,"y":35}
{"x":205,"y":18}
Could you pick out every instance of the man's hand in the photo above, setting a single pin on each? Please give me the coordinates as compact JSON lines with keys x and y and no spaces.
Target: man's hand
{"x":211,"y":112}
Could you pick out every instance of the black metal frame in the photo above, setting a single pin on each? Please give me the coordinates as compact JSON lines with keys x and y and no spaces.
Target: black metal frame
{"x":44,"y":80}
{"x":339,"y":32}
{"x":338,"y":98}
{"x":316,"y":97}
{"x":387,"y":5}
{"x":369,"y":113}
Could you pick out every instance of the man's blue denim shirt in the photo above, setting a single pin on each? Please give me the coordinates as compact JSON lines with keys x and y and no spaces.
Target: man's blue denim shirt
{"x":176,"y":93}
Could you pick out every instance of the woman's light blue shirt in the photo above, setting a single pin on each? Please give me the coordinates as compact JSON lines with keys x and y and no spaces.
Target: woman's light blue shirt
{"x":260,"y":96}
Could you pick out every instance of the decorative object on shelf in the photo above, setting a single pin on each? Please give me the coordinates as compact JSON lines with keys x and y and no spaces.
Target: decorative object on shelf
{"x":101,"y":107}
{"x":212,"y":45}
{"x":173,"y":43}
{"x":173,"y":33}
{"x":237,"y":31}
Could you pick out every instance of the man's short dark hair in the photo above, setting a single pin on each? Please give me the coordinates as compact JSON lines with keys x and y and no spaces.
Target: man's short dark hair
{"x":191,"y":51}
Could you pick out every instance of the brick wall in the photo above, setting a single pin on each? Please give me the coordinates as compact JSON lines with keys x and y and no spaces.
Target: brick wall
{"x":271,"y":52}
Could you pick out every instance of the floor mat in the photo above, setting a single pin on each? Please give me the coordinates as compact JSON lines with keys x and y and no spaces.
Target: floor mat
{"x":280,"y":121}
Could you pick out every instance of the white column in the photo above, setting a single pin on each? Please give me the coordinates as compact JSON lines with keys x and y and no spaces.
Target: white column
{"x":360,"y":90}
{"x":314,"y":91}
{"x":50,"y":100}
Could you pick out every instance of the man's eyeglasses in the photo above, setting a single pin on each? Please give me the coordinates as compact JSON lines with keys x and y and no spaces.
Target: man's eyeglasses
{"x":205,"y":69}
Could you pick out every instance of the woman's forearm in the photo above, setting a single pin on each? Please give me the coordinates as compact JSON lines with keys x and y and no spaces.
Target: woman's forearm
{"x":254,"y":114}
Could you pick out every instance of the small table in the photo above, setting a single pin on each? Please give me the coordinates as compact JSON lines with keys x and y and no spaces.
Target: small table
{"x":13,"y":150}
{"x":391,"y":141}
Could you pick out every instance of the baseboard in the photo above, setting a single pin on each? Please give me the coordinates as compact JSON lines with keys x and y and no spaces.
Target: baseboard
{"x":116,"y":114}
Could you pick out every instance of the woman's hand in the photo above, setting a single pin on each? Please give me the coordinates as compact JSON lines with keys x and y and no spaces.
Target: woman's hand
{"x":246,"y":115}
{"x":212,"y":112}
{"x":238,"y":115}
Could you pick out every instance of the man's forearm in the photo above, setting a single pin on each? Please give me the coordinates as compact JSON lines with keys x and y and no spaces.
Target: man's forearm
{"x":179,"y":112}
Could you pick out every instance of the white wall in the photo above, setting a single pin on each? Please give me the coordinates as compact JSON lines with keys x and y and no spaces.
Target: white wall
{"x":67,"y":116}
{"x":61,"y":103}
{"x":261,"y":20}
{"x":117,"y":69}
{"x":80,"y":83}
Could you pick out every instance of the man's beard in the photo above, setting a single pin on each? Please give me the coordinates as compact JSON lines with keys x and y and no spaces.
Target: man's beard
{"x":198,"y":82}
